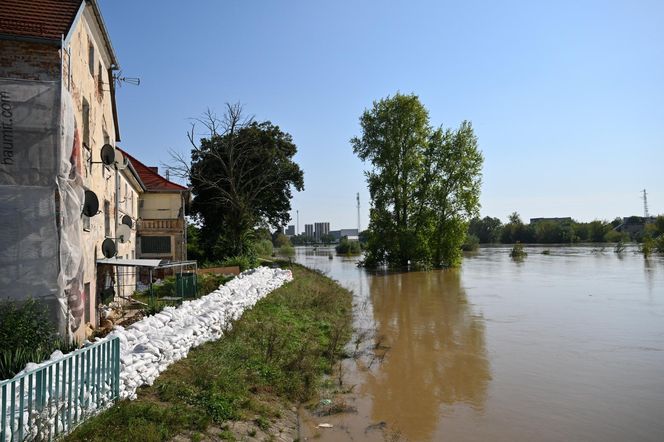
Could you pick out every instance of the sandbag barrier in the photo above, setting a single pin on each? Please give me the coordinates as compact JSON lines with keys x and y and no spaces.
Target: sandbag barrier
{"x":150,"y":345}
{"x":146,"y":348}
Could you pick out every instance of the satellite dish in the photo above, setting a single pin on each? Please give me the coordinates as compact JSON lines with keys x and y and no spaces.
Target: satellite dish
{"x":120,"y":161}
{"x":108,"y":248}
{"x":90,"y":204}
{"x":107,"y":154}
{"x":123,"y":233}
{"x":126,"y":220}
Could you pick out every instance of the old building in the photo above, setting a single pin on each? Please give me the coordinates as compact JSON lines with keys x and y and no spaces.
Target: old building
{"x":161,"y":216}
{"x":56,"y":81}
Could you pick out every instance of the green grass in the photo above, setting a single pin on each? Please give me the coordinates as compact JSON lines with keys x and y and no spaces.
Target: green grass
{"x":277,"y":352}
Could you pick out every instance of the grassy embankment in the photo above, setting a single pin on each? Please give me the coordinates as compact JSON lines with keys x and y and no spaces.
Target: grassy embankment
{"x":271,"y":359}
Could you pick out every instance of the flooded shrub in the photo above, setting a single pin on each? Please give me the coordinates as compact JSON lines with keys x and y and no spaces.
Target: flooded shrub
{"x":518,"y":252}
{"x":659,"y":244}
{"x":348,"y":247}
{"x":471,"y":243}
{"x":647,"y":246}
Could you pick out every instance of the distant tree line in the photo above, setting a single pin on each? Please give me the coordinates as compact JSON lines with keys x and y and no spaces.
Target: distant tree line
{"x":489,"y":230}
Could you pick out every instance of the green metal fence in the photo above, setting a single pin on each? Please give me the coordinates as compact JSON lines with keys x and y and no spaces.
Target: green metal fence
{"x":51,"y":400}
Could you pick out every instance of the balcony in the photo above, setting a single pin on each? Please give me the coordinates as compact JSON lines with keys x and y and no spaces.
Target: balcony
{"x":160,"y":225}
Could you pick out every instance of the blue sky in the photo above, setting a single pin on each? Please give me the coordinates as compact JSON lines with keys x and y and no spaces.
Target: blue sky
{"x":567,"y":98}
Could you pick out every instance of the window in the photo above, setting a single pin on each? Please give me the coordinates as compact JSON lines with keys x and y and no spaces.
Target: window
{"x":86,"y":295}
{"x":100,"y":81}
{"x":86,"y":123}
{"x":107,"y":218}
{"x":91,"y":59}
{"x":156,"y":244}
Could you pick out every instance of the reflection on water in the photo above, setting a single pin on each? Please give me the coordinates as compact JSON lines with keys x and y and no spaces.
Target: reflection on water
{"x":567,"y":345}
{"x":437,"y":353}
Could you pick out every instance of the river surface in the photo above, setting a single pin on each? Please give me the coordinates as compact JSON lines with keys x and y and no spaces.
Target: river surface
{"x":565,"y":346}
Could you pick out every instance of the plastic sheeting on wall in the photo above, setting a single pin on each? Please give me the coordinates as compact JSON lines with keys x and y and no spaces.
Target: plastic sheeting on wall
{"x":41,"y":195}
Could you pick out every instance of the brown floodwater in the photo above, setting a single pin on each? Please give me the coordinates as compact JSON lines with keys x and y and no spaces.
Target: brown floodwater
{"x":564,"y":346}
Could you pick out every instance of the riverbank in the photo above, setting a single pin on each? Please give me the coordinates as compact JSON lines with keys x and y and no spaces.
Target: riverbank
{"x":247,"y":384}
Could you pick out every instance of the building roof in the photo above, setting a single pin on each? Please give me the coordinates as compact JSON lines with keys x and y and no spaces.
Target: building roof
{"x":42,"y":19}
{"x":151,"y":179}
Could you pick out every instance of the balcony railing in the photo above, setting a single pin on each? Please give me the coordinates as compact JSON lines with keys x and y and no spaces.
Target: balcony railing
{"x":160,"y":224}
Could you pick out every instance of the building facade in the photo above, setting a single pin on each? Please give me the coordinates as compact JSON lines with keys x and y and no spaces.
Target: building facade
{"x":162,"y":227}
{"x":63,"y":45}
{"x":309,"y":230}
{"x":321,"y":229}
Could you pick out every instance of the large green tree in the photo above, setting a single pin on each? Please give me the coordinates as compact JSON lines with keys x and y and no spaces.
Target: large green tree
{"x":242,"y":174}
{"x":424,"y":184}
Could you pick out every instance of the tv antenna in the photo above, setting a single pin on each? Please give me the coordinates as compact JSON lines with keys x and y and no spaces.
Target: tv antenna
{"x":646,"y":215}
{"x":119,"y":79}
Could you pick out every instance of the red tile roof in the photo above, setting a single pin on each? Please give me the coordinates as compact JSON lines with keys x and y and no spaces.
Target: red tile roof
{"x":152,"y":180}
{"x":49,"y":19}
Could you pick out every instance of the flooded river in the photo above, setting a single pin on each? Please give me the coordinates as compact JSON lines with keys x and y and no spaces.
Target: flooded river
{"x":564,"y":346}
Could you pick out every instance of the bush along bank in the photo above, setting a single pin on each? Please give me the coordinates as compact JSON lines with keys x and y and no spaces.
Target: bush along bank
{"x":244,"y":384}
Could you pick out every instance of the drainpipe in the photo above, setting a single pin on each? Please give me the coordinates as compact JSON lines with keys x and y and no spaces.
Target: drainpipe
{"x":184,"y":224}
{"x":117,"y":222}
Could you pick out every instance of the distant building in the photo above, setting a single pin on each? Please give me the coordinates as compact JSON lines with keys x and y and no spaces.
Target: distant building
{"x":309,"y":230}
{"x":320,"y":230}
{"x":343,"y":233}
{"x":634,"y":225}
{"x":290,"y":231}
{"x":566,"y":219}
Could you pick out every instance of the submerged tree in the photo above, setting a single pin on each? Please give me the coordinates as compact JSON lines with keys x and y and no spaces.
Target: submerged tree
{"x":242,"y":174}
{"x":424,"y":184}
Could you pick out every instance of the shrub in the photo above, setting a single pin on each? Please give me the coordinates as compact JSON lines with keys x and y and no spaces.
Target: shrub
{"x":659,"y":244}
{"x":281,"y":240}
{"x":209,"y":282}
{"x":647,"y":246}
{"x":472,"y":243}
{"x":615,"y":236}
{"x":348,"y":247}
{"x":27,"y":335}
{"x":164,"y":288}
{"x":518,"y":252}
{"x":264,"y":247}
{"x":244,"y":262}
{"x":287,"y":250}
